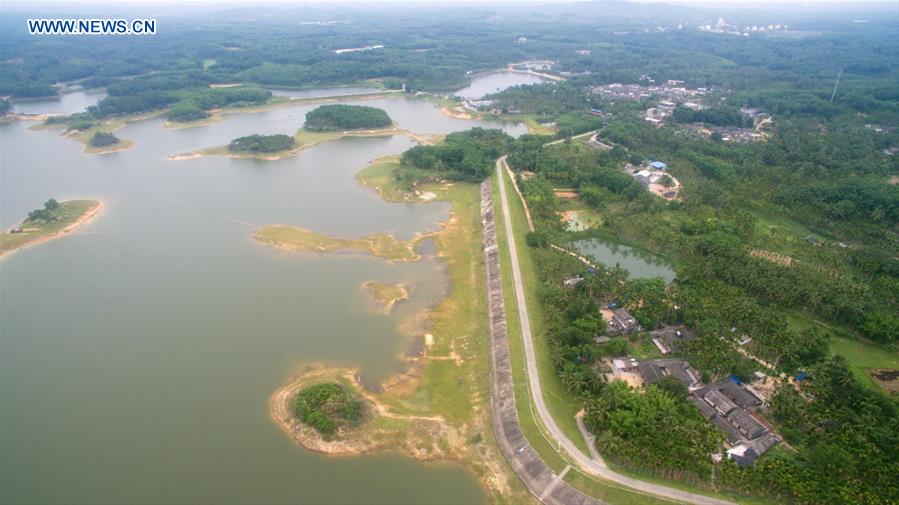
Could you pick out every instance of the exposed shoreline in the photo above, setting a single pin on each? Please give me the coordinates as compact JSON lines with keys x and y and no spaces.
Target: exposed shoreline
{"x":435,"y":408}
{"x":83,"y":219}
{"x":299,"y":240}
{"x":384,"y":296}
{"x":446,"y":111}
{"x":363,"y":439}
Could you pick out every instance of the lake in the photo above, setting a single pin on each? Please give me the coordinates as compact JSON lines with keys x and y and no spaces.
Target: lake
{"x":638,"y":263}
{"x":322,"y":92}
{"x":139,"y":354}
{"x":492,"y":82}
{"x":68,"y":103}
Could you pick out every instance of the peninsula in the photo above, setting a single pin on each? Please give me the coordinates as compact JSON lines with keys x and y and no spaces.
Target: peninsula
{"x":53,"y":220}
{"x":296,"y":239}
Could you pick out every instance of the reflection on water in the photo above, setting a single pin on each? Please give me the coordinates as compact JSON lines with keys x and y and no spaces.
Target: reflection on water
{"x":638,"y":263}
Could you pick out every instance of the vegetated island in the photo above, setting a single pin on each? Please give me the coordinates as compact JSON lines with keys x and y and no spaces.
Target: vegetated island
{"x":337,"y":117}
{"x":53,"y":220}
{"x":384,"y":295}
{"x":327,"y":412}
{"x":325,"y":123}
{"x":103,"y":142}
{"x":295,"y":239}
{"x":96,"y":135}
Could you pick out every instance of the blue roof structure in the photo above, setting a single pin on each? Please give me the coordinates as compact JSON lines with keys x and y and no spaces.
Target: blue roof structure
{"x":658,"y":165}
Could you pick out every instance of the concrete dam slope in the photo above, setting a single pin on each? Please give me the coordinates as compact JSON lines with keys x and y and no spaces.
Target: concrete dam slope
{"x":540,"y":480}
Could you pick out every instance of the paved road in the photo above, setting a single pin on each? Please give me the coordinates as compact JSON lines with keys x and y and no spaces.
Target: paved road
{"x":587,"y":463}
{"x":554,"y":142}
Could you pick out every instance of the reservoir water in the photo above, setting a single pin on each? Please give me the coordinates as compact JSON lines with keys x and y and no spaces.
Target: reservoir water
{"x":638,"y":263}
{"x":68,"y":103}
{"x":492,"y":82}
{"x":321,"y":92}
{"x":138,"y":354}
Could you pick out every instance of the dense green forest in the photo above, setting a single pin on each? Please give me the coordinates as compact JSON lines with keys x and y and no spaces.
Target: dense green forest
{"x":468,"y":155}
{"x":346,"y":117}
{"x":262,"y":143}
{"x":718,"y":116}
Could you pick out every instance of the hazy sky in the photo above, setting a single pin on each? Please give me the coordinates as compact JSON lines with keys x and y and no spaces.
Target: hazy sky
{"x":719,"y":2}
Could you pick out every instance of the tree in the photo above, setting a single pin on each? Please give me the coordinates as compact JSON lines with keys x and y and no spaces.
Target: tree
{"x":51,"y":205}
{"x":103,"y":139}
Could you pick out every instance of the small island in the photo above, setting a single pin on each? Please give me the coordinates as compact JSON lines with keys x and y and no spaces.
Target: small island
{"x":325,"y":123}
{"x":262,"y":144}
{"x":346,"y":117}
{"x":295,"y":239}
{"x":385,"y":296}
{"x":329,"y":407}
{"x":51,"y":221}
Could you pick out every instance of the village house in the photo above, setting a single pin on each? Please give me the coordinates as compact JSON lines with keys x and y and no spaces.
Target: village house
{"x":623,"y":322}
{"x":669,"y":338}
{"x":654,"y":370}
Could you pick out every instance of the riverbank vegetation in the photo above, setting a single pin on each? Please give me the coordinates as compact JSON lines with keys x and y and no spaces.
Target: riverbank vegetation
{"x":50,"y":221}
{"x":346,"y":117}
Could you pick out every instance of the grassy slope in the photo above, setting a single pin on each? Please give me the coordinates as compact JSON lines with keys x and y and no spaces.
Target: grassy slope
{"x":69,"y":211}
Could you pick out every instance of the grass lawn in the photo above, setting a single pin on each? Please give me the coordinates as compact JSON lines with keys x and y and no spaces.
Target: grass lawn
{"x":611,"y":493}
{"x":862,"y":355}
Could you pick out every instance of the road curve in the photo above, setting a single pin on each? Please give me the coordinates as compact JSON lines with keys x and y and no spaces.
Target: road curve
{"x":586,"y":463}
